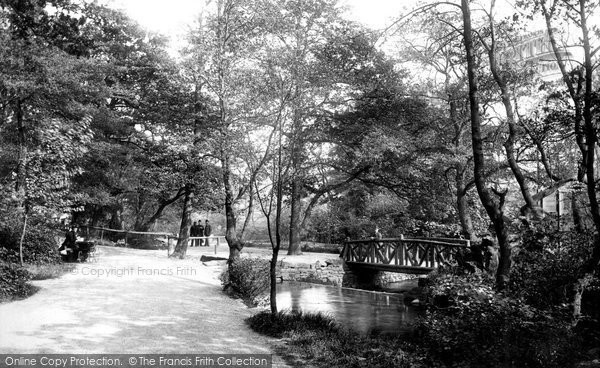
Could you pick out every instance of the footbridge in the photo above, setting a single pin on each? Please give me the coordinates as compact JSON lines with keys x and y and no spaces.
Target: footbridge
{"x":403,"y":255}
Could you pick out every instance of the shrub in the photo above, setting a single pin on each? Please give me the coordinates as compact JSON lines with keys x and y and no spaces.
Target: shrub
{"x":248,"y":278}
{"x":471,"y":325}
{"x":13,"y":282}
{"x":39,"y":245}
{"x":546,"y":266}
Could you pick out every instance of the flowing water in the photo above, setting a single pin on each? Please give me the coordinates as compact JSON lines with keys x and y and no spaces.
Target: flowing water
{"x":362,"y":311}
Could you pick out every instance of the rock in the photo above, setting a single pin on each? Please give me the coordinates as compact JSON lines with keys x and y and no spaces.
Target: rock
{"x":211,"y":258}
{"x":334,"y":262}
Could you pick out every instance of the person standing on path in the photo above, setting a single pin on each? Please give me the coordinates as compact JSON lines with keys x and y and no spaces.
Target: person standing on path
{"x":207,"y":230}
{"x":194,"y":233}
{"x":200,"y":232}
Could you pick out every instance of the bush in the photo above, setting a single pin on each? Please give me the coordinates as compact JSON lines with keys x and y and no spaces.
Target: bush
{"x":39,"y":245}
{"x":13,"y":282}
{"x":546,"y":266}
{"x":248,"y":278}
{"x":471,"y":325}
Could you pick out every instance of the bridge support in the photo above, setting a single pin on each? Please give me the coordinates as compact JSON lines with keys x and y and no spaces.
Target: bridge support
{"x":371,"y":279}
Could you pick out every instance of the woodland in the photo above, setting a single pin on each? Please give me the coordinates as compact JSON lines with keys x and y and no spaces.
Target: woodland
{"x":439,"y":125}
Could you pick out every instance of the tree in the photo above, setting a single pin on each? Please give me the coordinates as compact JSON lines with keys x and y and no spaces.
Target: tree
{"x":493,"y":207}
{"x":579,"y":83}
{"x":48,"y":95}
{"x":222,"y":70}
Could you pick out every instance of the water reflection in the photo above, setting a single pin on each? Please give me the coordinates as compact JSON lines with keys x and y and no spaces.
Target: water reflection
{"x":363,"y":311}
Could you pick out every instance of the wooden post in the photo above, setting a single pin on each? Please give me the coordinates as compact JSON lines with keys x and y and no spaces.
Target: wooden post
{"x":101,"y":236}
{"x":216,"y":244}
{"x":125,"y":239}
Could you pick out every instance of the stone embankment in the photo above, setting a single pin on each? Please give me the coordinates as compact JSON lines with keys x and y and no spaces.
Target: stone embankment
{"x":327,"y":272}
{"x":332,"y":271}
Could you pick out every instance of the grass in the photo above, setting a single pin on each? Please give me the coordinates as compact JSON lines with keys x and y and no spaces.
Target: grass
{"x":317,"y":340}
{"x":49,"y":271}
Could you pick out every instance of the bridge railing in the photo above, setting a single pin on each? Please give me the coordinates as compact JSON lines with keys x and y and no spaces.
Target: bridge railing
{"x":402,"y":253}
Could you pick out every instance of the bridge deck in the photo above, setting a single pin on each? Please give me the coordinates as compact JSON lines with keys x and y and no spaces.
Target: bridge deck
{"x":405,"y":255}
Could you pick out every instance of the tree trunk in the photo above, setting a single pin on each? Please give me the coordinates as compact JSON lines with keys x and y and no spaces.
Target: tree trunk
{"x":462,"y":205}
{"x":493,"y":209}
{"x":22,"y":238}
{"x":186,"y":224}
{"x":147,"y":225}
{"x":273,"y":280}
{"x":509,"y":144}
{"x":591,"y":139}
{"x":585,"y":136}
{"x":296,"y":208}
{"x":234,"y":242}
{"x":21,"y":183}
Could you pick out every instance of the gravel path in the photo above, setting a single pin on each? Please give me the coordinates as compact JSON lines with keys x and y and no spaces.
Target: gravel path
{"x":132,"y":301}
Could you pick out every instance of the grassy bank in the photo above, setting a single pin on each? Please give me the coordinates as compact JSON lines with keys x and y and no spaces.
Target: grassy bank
{"x":317,"y":340}
{"x":14,"y":279}
{"x":49,"y":271}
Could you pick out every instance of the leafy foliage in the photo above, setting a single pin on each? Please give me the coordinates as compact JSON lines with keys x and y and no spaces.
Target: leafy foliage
{"x":471,"y":325}
{"x":547,"y":264}
{"x":248,"y":278}
{"x":13,"y":282}
{"x":39,"y":244}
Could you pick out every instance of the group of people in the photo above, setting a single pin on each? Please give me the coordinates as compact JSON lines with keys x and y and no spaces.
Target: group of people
{"x":198,"y":230}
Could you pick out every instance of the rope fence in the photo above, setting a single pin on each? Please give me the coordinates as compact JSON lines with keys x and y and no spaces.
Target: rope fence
{"x":127,"y":236}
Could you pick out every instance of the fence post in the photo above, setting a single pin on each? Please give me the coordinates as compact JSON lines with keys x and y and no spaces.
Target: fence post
{"x":102,"y":236}
{"x":125,"y":239}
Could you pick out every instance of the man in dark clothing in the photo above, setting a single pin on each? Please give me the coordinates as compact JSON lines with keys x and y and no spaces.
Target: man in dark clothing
{"x":69,"y":250}
{"x":207,"y":231}
{"x":200,"y":231}
{"x":194,"y":233}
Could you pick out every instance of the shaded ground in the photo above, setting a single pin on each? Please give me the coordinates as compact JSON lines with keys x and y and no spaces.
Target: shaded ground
{"x":132,"y":301}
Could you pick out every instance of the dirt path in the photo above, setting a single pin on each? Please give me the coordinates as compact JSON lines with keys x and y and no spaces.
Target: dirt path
{"x":132,"y":301}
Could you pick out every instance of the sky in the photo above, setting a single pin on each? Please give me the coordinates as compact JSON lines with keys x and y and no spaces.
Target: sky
{"x":171,"y":17}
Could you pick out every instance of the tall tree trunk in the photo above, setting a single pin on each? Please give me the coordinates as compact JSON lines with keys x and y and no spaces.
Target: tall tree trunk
{"x":462,"y":205}
{"x":493,"y":209}
{"x":20,"y":186}
{"x":186,"y":224}
{"x":588,"y":269}
{"x":509,"y":144}
{"x":295,"y":209}
{"x":585,"y":136}
{"x":235,"y":243}
{"x":276,"y":245}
